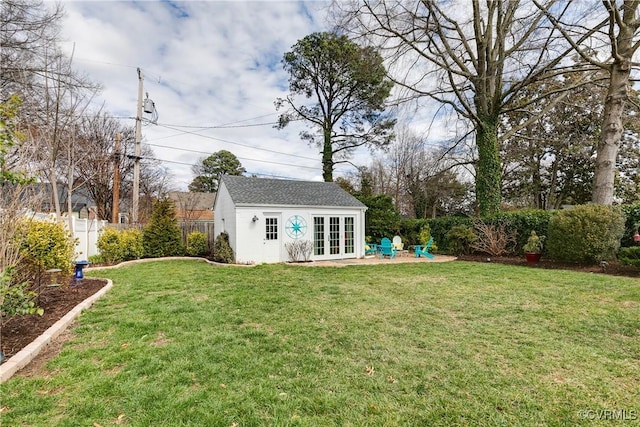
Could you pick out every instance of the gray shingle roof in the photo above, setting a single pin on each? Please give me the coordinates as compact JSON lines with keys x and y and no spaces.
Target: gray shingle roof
{"x":263,"y":191}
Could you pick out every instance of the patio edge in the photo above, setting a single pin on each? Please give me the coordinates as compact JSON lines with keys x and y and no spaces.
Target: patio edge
{"x":27,"y":354}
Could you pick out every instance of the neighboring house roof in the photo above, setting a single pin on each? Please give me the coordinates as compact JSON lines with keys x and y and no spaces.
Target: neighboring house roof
{"x":42,"y":193}
{"x":190,"y":200}
{"x":265,"y":191}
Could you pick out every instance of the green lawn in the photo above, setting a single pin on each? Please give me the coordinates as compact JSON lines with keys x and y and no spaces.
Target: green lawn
{"x":183,"y":343}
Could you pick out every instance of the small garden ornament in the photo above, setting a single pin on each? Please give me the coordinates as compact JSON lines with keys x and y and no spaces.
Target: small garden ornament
{"x":533,"y":247}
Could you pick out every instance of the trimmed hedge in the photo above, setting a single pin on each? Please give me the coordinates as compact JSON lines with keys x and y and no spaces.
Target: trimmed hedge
{"x":520,"y":222}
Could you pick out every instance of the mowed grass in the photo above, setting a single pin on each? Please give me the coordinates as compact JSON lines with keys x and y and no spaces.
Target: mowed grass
{"x":184,"y":343}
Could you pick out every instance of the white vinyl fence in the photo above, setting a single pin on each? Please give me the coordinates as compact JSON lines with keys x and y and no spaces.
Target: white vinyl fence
{"x":86,"y":231}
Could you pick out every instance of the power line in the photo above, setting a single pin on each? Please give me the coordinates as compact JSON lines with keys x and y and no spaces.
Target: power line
{"x":230,"y":124}
{"x":220,"y":126}
{"x":240,"y":158}
{"x":238,"y":143}
{"x":247,"y":172}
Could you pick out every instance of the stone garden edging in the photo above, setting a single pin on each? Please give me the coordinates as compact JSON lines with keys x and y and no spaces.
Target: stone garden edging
{"x":27,"y":354}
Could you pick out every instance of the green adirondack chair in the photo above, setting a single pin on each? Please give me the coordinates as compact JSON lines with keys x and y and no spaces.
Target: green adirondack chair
{"x":420,"y":251}
{"x":386,"y":248}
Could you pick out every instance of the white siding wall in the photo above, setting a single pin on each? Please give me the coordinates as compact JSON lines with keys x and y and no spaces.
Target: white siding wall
{"x":251,"y":235}
{"x":224,"y":216}
{"x":251,"y":242}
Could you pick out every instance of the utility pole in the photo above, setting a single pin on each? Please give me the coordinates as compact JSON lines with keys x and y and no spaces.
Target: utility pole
{"x":116,"y":182}
{"x":136,"y":164}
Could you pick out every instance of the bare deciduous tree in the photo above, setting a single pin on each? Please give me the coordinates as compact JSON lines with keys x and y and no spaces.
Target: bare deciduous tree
{"x":28,"y":30}
{"x":473,"y":57}
{"x":622,"y":37}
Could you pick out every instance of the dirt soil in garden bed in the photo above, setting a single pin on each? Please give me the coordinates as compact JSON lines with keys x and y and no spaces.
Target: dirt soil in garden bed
{"x":611,"y":267}
{"x":20,"y":331}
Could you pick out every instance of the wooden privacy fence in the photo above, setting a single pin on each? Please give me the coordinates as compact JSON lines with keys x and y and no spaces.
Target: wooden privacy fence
{"x":205,"y":227}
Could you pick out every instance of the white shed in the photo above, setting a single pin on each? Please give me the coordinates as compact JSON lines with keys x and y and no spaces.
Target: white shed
{"x":262,"y":215}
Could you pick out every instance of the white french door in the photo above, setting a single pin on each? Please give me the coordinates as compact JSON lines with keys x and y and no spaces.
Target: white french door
{"x":333,"y":237}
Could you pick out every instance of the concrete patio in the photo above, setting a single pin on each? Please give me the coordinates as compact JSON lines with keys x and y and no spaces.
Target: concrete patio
{"x":375,"y":260}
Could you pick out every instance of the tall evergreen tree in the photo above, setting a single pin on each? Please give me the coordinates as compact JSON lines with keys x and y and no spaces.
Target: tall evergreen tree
{"x":209,"y":169}
{"x":347,"y":88}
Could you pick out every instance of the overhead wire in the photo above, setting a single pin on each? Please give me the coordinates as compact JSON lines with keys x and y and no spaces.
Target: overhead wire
{"x":240,"y":158}
{"x":248,"y":172}
{"x":238,"y":143}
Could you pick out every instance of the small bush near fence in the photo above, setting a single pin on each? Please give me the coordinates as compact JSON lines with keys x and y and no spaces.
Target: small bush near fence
{"x":197,"y":244}
{"x":585,"y":234}
{"x":120,"y":245}
{"x":45,"y":245}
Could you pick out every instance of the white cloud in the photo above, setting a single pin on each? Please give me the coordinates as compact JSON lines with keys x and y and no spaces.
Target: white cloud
{"x":205,"y":63}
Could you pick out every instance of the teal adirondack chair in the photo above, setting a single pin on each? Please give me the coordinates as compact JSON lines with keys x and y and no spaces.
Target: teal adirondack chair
{"x":370,"y":249}
{"x":420,"y":251}
{"x":386,"y":248}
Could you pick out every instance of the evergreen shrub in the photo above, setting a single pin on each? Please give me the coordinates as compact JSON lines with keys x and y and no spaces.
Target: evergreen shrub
{"x":440,"y":227}
{"x":222,"y":251}
{"x":585,"y":234}
{"x":197,"y":244}
{"x":460,"y":238}
{"x":162,"y":237}
{"x":630,"y":256}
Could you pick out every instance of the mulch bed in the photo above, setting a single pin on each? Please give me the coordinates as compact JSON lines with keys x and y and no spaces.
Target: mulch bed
{"x":20,"y":331}
{"x":611,"y":267}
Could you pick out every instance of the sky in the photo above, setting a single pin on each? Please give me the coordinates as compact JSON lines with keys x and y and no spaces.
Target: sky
{"x":213,"y":70}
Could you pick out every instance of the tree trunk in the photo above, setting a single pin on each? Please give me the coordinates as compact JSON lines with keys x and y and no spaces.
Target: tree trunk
{"x":603,"y":188}
{"x":488,"y":179}
{"x":623,"y":48}
{"x":327,"y":157}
